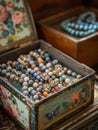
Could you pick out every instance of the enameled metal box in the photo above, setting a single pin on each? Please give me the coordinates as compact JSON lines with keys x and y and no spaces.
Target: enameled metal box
{"x":82,"y":49}
{"x":18,"y":36}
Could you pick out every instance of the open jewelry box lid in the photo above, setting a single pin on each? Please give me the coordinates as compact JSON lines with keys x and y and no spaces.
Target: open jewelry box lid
{"x":16,"y":24}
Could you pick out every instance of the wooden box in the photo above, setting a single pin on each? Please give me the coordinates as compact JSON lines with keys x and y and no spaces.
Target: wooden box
{"x":83,"y":49}
{"x":18,"y":38}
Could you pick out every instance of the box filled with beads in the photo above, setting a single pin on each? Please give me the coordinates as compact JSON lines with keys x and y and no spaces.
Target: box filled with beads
{"x":39,"y":85}
{"x":74,"y":31}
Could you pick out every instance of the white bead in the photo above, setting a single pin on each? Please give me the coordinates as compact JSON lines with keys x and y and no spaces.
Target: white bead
{"x":69,"y":72}
{"x":48,"y":65}
{"x":79,"y":76}
{"x":26,"y":78}
{"x":23,"y":75}
{"x":25,"y":93}
{"x":50,"y":73}
{"x":65,"y":69}
{"x":30,"y":88}
{"x":35,"y":85}
{"x":67,"y":80}
{"x":29,"y":69}
{"x":31,"y":62}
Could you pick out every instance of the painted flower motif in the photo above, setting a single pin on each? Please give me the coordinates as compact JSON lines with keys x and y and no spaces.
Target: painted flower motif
{"x":83,"y":94}
{"x":11,"y":111}
{"x":5,"y":33}
{"x":3,"y":92}
{"x":10,"y":24}
{"x":1,"y":28}
{"x":3,"y":13}
{"x":75,"y":97}
{"x":18,"y":17}
{"x":10,"y":4}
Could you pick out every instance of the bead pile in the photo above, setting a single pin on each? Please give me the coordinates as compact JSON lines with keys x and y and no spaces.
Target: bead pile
{"x":81,"y":26}
{"x":38,"y":75}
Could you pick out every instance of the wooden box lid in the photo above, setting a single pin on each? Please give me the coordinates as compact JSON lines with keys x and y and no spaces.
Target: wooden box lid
{"x":16,"y":24}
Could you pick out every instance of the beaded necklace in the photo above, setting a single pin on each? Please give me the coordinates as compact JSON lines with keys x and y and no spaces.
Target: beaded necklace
{"x":81,"y":26}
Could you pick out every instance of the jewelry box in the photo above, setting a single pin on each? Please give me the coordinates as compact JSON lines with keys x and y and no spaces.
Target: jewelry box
{"x":40,"y":86}
{"x":63,"y":30}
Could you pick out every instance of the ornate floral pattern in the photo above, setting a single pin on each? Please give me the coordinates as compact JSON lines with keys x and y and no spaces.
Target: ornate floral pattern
{"x":14,"y":107}
{"x":14,"y":24}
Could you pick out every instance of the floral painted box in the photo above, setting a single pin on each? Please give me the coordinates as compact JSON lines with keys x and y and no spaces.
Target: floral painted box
{"x":40,"y":86}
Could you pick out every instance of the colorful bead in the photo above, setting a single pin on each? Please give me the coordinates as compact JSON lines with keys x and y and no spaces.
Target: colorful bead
{"x":55,"y":61}
{"x":35,"y":85}
{"x":3,"y":72}
{"x":30,"y":88}
{"x":45,"y":94}
{"x":69,"y":72}
{"x":35,"y":97}
{"x":26,"y":79}
{"x":25,"y":92}
{"x":32,"y":92}
{"x":24,"y":88}
{"x":67,"y":80}
{"x":30,"y":82}
{"x":74,"y":74}
{"x":38,"y":77}
{"x":38,"y":89}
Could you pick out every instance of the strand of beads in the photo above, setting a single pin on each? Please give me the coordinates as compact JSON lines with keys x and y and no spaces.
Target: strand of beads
{"x":82,"y":26}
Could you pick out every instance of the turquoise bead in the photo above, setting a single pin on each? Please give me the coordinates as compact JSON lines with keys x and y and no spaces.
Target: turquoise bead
{"x":73,"y":32}
{"x":74,"y":74}
{"x":77,"y":33}
{"x":81,"y":34}
{"x":81,"y":27}
{"x":77,"y":26}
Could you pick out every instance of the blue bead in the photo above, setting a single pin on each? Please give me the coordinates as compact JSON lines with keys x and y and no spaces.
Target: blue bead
{"x":28,"y":59}
{"x":16,"y":63}
{"x":81,"y":27}
{"x":39,"y":50}
{"x":38,"y":89}
{"x":55,"y":61}
{"x":32,"y":72}
{"x":66,"y":28}
{"x":86,"y":27}
{"x":86,"y":33}
{"x":95,"y":27}
{"x":32,"y":92}
{"x":38,"y":77}
{"x":90,"y":26}
{"x":69,"y":24}
{"x":72,"y":32}
{"x":77,"y":33}
{"x":72,"y":25}
{"x":4,"y":66}
{"x":43,"y":68}
{"x":69,"y":30}
{"x":74,"y":74}
{"x":81,"y":34}
{"x":3,"y":72}
{"x":30,"y":82}
{"x":77,"y":26}
{"x":47,"y":59}
{"x":35,"y":75}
